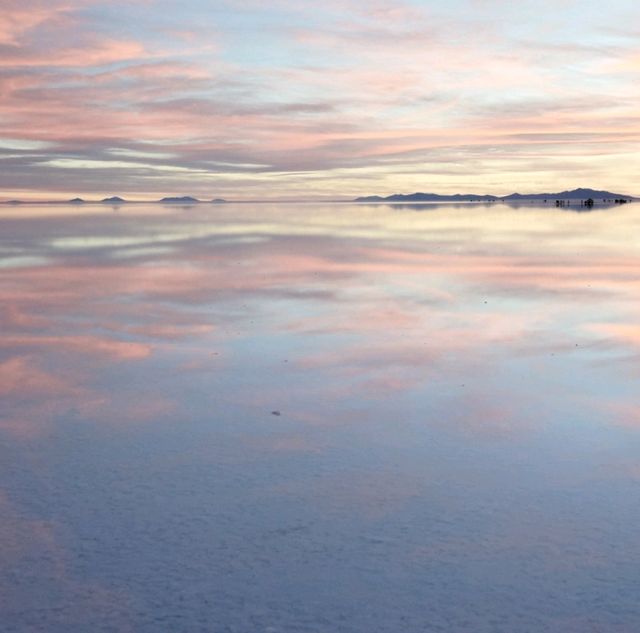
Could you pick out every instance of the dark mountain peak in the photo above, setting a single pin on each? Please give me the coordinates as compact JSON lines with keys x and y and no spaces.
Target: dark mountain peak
{"x":581,"y":193}
{"x":594,"y":193}
{"x":113,"y":200}
{"x":76,"y":201}
{"x":218,"y":201}
{"x":180,"y":200}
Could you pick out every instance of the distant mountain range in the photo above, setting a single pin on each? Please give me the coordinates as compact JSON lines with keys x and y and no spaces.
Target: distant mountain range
{"x":575,"y":194}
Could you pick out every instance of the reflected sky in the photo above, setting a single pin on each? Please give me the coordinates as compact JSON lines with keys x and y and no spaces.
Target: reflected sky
{"x":338,"y":418}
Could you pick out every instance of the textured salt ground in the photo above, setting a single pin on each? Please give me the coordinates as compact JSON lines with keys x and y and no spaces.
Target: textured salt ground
{"x":164,"y":538}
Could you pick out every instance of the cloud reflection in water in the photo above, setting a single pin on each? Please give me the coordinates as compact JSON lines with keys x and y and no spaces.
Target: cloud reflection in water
{"x":457,"y":433}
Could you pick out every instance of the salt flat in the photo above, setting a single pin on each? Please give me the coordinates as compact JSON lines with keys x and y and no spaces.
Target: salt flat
{"x":319,"y":418}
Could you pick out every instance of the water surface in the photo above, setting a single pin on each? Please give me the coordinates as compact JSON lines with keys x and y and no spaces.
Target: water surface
{"x":319,"y":419}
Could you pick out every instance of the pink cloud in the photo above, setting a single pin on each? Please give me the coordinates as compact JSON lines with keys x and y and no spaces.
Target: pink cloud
{"x":19,"y":17}
{"x":99,"y":52}
{"x":20,"y":377}
{"x":624,"y":333}
{"x":32,"y":396}
{"x":25,"y":536}
{"x":120,"y":350}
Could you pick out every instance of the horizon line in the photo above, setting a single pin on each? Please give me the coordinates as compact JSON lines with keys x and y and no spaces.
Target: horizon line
{"x":193,"y":200}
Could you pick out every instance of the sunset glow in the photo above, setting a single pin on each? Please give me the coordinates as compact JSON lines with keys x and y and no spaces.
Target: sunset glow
{"x":251,"y":100}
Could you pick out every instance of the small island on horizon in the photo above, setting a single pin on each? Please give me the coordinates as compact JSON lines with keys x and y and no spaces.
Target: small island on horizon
{"x":179,"y":200}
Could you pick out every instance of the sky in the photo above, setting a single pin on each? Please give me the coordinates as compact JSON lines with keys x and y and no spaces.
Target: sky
{"x":287,"y":99}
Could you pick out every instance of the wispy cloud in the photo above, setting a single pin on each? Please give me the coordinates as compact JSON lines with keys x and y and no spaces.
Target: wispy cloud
{"x":273,"y":100}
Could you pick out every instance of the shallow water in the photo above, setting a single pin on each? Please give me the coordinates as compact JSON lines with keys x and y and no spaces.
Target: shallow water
{"x":319,"y":419}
